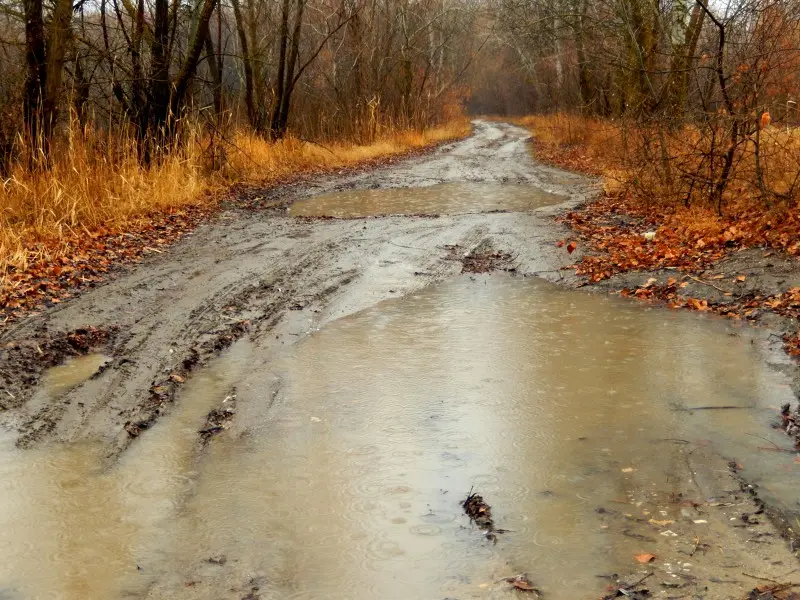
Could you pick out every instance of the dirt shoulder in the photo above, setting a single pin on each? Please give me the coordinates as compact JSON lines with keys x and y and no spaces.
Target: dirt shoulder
{"x":747,"y":270}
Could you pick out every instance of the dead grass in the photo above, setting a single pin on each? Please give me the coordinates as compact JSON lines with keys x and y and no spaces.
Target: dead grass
{"x":95,"y":185}
{"x":630,"y":159}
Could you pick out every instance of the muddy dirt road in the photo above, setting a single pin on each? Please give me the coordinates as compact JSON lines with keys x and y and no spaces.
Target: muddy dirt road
{"x":287,"y":405}
{"x":268,"y":275}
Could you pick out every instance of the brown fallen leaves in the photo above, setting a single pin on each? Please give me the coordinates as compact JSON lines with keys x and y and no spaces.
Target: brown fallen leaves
{"x":614,"y":230}
{"x":82,"y":259}
{"x":644,"y":558}
{"x":478,"y":511}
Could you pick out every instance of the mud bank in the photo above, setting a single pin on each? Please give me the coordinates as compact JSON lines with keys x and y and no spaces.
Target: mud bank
{"x":259,"y":276}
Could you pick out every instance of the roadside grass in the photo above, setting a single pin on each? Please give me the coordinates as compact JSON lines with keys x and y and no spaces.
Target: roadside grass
{"x":95,"y":188}
{"x":630,"y":159}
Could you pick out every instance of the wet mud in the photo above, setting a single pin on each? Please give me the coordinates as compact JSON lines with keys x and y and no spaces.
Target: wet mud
{"x":23,"y":361}
{"x":296,"y":406}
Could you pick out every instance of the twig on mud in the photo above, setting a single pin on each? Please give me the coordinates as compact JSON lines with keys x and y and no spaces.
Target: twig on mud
{"x":409,"y":247}
{"x":728,"y":407}
{"x":708,"y":283}
{"x":641,"y":580}
{"x":775,"y":447}
{"x":629,"y":589}
{"x":784,"y":585}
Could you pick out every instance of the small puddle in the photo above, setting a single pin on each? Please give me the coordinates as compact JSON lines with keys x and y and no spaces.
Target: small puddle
{"x":444,"y":198}
{"x":347,"y":485}
{"x":61,"y":379}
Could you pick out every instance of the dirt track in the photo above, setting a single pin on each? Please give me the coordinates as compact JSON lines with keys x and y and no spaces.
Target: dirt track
{"x":259,"y":274}
{"x":274,"y":277}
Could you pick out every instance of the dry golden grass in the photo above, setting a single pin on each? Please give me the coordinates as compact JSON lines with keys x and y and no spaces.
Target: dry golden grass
{"x":629,"y":157}
{"x":251,"y":159}
{"x":95,"y":183}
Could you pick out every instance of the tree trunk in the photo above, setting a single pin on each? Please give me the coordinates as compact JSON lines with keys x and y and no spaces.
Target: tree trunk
{"x":57,"y":41}
{"x":36,"y":79}
{"x":159,"y":76}
{"x":275,"y":130}
{"x":249,"y":101}
{"x":584,"y":84}
{"x":678,"y":83}
{"x":216,"y":76}
{"x":185,"y":75}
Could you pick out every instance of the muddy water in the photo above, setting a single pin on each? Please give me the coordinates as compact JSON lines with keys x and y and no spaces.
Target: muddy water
{"x":61,"y":379}
{"x":346,"y":485}
{"x":444,"y":198}
{"x":72,"y":529}
{"x":550,"y":403}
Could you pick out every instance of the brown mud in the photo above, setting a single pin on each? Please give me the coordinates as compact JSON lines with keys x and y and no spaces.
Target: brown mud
{"x":256,"y":274}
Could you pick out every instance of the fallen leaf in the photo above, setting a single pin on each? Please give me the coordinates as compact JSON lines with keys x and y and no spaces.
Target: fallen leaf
{"x":645,"y":558}
{"x":571,"y":247}
{"x":177,"y":378}
{"x":521,"y":582}
{"x":741,"y":278}
{"x":627,"y":470}
{"x":661,"y":523}
{"x":522,"y":585}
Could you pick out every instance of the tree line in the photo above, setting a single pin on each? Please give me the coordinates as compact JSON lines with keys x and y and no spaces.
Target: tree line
{"x":327,"y":68}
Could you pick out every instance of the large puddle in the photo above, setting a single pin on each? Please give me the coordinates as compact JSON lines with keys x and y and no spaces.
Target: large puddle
{"x":347,"y":486}
{"x":444,"y":198}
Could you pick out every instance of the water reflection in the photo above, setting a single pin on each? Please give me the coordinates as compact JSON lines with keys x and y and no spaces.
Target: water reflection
{"x":71,"y":529}
{"x":61,"y":379}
